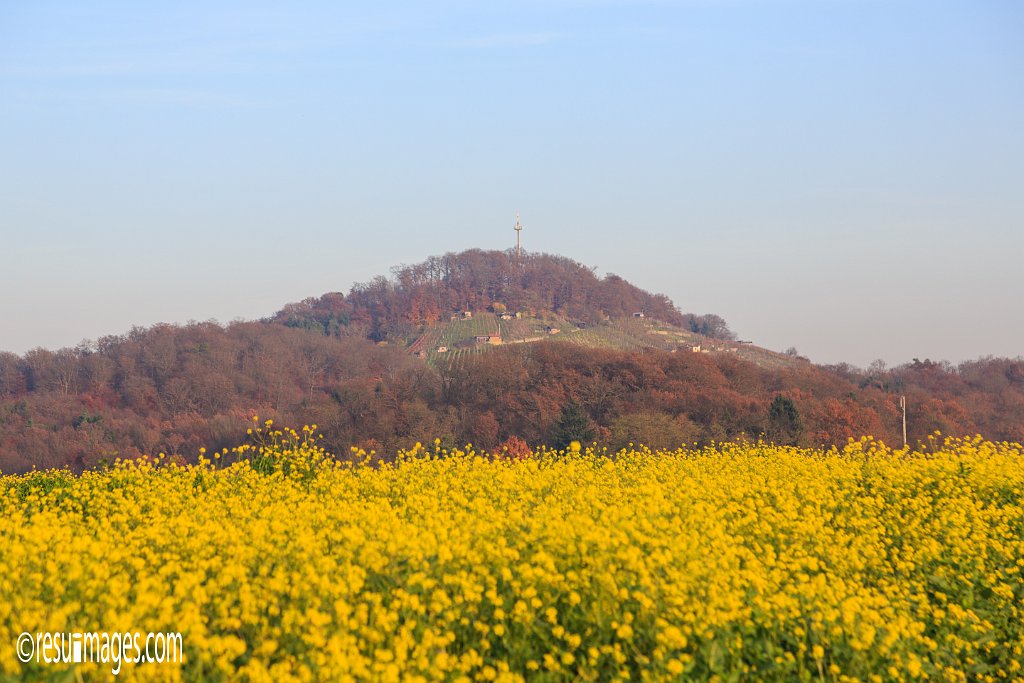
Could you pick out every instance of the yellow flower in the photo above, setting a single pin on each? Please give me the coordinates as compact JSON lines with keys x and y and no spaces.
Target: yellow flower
{"x":472,"y":567}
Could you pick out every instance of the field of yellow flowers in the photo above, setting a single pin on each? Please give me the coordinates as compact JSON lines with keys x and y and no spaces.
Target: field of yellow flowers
{"x":732,"y":563}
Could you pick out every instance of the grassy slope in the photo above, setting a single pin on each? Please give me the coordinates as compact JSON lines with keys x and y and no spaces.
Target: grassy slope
{"x":625,"y":335}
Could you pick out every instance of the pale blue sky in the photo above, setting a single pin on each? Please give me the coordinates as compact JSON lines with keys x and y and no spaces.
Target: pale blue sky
{"x":843,"y":176}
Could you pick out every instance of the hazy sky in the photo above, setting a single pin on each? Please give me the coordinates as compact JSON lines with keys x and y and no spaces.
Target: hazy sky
{"x":843,"y":176}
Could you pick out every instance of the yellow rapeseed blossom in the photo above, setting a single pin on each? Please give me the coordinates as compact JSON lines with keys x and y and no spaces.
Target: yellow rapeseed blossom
{"x":278,"y":562}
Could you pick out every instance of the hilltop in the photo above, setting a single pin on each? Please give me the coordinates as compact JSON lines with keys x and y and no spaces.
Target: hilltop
{"x":452,"y":307}
{"x":396,"y":309}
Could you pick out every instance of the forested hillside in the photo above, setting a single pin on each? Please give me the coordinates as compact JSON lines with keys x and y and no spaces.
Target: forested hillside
{"x":360,"y":366}
{"x":175,"y":388}
{"x":534,"y":284}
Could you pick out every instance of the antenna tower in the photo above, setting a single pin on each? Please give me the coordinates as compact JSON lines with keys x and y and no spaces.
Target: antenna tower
{"x":519,"y":230}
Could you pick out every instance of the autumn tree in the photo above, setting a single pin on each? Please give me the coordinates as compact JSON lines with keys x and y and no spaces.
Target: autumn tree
{"x":658,"y":431}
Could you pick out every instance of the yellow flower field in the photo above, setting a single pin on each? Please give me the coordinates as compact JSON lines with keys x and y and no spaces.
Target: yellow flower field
{"x":733,"y":563}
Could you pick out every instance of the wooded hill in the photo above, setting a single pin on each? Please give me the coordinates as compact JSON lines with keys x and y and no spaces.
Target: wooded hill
{"x":175,"y":388}
{"x":534,"y":285}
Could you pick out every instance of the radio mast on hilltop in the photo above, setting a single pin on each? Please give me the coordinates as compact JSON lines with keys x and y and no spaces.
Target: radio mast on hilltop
{"x":519,"y":230}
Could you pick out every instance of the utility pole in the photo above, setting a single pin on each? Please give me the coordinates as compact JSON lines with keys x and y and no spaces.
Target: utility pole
{"x":519,"y":229}
{"x":903,"y":406}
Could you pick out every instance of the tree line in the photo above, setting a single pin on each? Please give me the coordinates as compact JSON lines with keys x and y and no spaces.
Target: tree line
{"x":174,"y":389}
